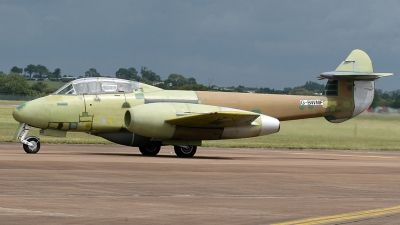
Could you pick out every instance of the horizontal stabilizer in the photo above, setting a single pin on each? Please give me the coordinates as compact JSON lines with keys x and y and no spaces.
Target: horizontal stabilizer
{"x":215,"y":119}
{"x":352,"y":75}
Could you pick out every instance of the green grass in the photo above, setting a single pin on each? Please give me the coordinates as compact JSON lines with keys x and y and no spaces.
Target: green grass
{"x":10,"y":102}
{"x":52,"y":84}
{"x":366,"y":132}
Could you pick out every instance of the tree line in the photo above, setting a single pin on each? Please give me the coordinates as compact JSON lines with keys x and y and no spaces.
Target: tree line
{"x":16,"y":83}
{"x":38,"y":71}
{"x":388,"y":99}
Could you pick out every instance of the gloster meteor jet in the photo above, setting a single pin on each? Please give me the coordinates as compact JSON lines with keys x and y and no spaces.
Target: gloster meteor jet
{"x":139,"y":115}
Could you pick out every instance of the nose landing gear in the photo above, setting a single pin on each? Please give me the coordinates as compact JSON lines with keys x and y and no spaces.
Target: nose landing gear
{"x":31,"y":144}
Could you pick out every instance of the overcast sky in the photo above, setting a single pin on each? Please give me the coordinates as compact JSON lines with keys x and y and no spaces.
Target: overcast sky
{"x":262,"y":43}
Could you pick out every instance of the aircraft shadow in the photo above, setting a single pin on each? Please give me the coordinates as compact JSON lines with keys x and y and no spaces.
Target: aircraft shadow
{"x":301,"y":158}
{"x":158,"y":156}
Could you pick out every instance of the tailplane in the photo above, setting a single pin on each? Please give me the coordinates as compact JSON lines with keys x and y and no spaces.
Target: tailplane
{"x":352,"y":84}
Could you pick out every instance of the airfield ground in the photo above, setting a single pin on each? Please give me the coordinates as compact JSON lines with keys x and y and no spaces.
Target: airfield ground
{"x":108,"y":184}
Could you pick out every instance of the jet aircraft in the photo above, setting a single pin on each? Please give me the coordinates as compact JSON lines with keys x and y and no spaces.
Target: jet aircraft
{"x":140,"y":115}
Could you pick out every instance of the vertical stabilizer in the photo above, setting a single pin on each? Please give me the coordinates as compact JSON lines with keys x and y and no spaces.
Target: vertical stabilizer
{"x":357,"y":61}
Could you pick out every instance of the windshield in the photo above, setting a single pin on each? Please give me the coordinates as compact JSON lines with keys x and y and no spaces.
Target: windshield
{"x":66,"y":90}
{"x":98,"y":86}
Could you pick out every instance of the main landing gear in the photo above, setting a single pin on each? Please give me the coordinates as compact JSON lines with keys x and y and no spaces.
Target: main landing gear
{"x":31,"y":144}
{"x":180,"y":151}
{"x":185,"y":151}
{"x":150,"y":150}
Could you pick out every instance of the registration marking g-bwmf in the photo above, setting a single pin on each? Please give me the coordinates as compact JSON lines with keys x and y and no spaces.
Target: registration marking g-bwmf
{"x":311,"y":102}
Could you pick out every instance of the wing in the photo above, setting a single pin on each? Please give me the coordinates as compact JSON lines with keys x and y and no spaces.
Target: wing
{"x":215,"y":119}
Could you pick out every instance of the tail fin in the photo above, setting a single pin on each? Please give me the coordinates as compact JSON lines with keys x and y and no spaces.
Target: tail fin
{"x":357,"y":66}
{"x":352,"y":84}
{"x":357,"y":61}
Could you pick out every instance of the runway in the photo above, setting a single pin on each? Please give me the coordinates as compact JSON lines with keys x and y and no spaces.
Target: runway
{"x":109,"y":184}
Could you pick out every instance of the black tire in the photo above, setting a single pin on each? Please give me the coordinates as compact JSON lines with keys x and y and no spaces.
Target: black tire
{"x":150,"y":150}
{"x":35,"y":148}
{"x":185,"y":151}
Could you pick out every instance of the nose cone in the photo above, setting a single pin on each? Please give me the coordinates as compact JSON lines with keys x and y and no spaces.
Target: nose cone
{"x":18,"y":115}
{"x":34,"y":113}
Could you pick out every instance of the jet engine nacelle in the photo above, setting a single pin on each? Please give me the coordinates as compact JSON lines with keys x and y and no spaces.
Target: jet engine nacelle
{"x":149,"y":120}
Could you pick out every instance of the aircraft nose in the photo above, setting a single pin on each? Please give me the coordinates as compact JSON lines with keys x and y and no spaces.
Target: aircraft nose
{"x":20,"y":114}
{"x":34,"y":113}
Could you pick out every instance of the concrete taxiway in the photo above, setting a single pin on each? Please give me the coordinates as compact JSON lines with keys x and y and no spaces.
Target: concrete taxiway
{"x":109,"y":184}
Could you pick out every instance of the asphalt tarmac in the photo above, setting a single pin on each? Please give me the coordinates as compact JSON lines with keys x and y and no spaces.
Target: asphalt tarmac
{"x":109,"y":184}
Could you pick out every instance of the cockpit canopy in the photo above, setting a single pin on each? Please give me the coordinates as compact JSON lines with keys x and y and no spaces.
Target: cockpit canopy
{"x":97,"y":85}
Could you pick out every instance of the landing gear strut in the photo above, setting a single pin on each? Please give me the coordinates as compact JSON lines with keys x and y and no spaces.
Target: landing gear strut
{"x":31,"y":144}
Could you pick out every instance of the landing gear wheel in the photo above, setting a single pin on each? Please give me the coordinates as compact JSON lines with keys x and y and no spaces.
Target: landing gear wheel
{"x":185,"y":151}
{"x":150,"y":150}
{"x":35,"y":145}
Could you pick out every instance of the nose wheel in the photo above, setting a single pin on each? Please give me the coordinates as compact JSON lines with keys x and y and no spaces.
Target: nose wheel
{"x":34,"y":146}
{"x":31,"y":144}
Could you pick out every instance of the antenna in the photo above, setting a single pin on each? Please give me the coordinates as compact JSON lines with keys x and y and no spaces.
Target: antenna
{"x":209,"y":82}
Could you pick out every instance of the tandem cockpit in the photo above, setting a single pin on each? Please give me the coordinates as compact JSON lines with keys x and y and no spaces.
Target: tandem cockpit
{"x":96,"y":85}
